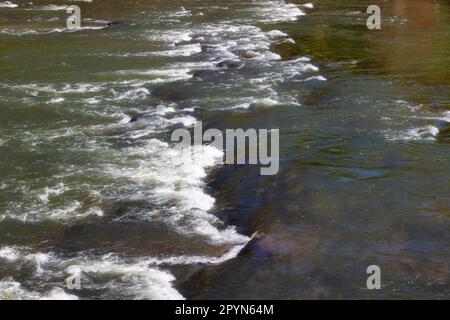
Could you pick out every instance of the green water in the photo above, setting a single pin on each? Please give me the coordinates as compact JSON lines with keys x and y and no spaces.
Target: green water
{"x":364,"y":143}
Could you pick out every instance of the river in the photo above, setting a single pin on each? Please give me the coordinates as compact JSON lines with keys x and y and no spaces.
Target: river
{"x":92,"y":187}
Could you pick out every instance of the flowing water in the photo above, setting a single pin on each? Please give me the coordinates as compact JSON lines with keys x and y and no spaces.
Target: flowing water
{"x":91,"y":186}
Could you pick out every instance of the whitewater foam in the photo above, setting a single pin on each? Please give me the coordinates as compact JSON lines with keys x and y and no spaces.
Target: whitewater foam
{"x":8,"y":4}
{"x":136,"y":278}
{"x":425,"y":133}
{"x":276,"y":11}
{"x":144,"y":167}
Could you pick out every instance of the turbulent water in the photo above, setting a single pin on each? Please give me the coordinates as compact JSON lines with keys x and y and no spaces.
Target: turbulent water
{"x":91,"y":184}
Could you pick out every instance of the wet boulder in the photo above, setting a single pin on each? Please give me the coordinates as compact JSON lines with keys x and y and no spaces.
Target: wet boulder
{"x":200,"y":73}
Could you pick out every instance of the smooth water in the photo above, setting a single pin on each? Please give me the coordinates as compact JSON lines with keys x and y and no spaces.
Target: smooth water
{"x":91,"y":184}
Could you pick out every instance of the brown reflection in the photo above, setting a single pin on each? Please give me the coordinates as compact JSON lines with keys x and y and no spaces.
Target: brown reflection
{"x":413,"y":40}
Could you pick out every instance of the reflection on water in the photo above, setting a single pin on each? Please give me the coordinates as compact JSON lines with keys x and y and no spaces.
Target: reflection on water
{"x":414,"y":42}
{"x":90,"y":183}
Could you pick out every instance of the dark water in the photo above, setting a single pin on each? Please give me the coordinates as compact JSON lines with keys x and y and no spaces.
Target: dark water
{"x":364,"y":143}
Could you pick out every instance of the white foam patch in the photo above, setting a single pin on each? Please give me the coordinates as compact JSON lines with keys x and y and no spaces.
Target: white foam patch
{"x":161,"y":75}
{"x":35,"y":89}
{"x":179,"y":51}
{"x":170,"y":36}
{"x":406,"y":104}
{"x":50,"y":7}
{"x":132,"y":94}
{"x":308,"y":5}
{"x":136,"y":278}
{"x":173,"y":178}
{"x":277,"y":34}
{"x":13,"y":290}
{"x":56,"y":100}
{"x":318,"y":78}
{"x":181,"y":13}
{"x":82,"y":28}
{"x":446,"y":116}
{"x":67,"y":212}
{"x":40,"y":211}
{"x":267,"y":102}
{"x":155,"y":121}
{"x":9,"y":253}
{"x":173,"y":170}
{"x":278,"y":11}
{"x":13,"y":254}
{"x":82,"y":88}
{"x":425,"y":133}
{"x":58,"y":294}
{"x":57,"y":190}
{"x":162,"y":110}
{"x":13,"y":32}
{"x":93,"y":101}
{"x":43,"y":31}
{"x":8,"y":4}
{"x":188,"y":260}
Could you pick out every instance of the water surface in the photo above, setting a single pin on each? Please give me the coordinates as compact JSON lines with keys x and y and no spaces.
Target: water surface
{"x":91,"y":184}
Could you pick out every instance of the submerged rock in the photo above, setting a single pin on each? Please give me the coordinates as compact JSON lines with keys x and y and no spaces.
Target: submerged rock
{"x":201,"y":73}
{"x":230,"y":64}
{"x":207,"y":47}
{"x":133,"y":119}
{"x":439,"y":105}
{"x":269,"y":245}
{"x":198,"y":40}
{"x":112,"y":24}
{"x":249,"y":54}
{"x":444,"y":131}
